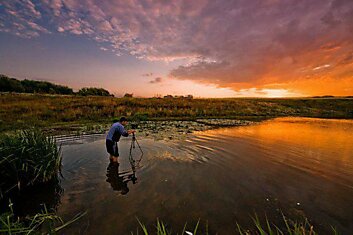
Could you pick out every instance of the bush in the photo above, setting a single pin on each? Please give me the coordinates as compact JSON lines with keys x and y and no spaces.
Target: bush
{"x":26,"y":158}
{"x":92,"y":91}
{"x":139,"y":117}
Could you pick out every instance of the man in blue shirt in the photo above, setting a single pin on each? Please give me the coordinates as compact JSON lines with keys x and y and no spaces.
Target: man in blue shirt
{"x":116,"y":131}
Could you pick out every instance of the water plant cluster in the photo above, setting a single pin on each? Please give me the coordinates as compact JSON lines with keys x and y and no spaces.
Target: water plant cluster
{"x":158,"y":130}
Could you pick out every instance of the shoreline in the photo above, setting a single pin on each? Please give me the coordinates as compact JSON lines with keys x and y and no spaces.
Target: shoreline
{"x":168,"y":129}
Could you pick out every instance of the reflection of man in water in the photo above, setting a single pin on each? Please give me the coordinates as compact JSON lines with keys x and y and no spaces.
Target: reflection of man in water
{"x":117,"y":182}
{"x":116,"y":131}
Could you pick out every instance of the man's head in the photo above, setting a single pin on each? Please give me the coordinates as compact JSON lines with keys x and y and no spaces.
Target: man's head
{"x":123,"y":121}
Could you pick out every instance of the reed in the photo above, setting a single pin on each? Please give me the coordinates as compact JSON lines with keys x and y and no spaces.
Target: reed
{"x":28,"y":157}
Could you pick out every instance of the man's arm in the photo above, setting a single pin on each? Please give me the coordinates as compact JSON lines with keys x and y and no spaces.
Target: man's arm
{"x":124,"y":132}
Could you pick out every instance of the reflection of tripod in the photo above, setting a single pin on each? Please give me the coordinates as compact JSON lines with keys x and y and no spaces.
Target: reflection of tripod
{"x":134,"y":142}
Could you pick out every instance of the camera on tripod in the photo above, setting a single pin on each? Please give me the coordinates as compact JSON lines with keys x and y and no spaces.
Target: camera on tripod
{"x":133,"y":145}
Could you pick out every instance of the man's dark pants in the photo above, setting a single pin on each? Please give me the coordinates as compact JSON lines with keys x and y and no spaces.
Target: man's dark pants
{"x":112,"y":148}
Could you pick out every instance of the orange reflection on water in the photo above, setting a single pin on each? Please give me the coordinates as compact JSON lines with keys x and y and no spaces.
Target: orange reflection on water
{"x":322,"y":135}
{"x":320,"y":146}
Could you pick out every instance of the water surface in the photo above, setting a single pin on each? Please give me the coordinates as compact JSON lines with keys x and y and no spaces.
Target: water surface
{"x":299,"y":166}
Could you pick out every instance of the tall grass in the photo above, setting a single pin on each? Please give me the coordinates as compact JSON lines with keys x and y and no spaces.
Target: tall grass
{"x":27,"y":157}
{"x":289,"y":227}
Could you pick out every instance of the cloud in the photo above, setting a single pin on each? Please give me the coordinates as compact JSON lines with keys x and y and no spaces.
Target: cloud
{"x":156,"y":80}
{"x":239,"y":44}
{"x":147,"y":74}
{"x":321,"y":67}
{"x":37,"y":27}
{"x":19,"y":18}
{"x":61,"y":29}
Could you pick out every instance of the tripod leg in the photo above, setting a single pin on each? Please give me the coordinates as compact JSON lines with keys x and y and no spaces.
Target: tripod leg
{"x":130,"y":155}
{"x":140,"y":151}
{"x":139,"y":146}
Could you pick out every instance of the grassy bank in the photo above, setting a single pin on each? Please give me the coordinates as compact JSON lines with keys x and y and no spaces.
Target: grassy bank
{"x":23,"y":110}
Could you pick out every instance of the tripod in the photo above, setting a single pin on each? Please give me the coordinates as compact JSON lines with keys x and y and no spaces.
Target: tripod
{"x":134,"y":142}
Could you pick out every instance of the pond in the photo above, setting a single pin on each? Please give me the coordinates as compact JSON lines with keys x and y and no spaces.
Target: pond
{"x":300,"y":167}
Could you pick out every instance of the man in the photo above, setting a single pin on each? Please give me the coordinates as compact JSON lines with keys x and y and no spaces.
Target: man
{"x":116,"y":131}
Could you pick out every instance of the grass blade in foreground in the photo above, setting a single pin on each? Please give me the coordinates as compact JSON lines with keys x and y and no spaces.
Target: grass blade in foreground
{"x":291,"y":228}
{"x":42,"y":223}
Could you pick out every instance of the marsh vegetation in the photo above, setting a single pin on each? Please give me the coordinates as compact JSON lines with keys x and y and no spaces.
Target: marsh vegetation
{"x":27,"y":110}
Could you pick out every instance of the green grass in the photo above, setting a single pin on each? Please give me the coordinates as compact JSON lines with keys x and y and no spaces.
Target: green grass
{"x":27,"y":157}
{"x":289,"y":228}
{"x":44,"y":222}
{"x":19,"y":111}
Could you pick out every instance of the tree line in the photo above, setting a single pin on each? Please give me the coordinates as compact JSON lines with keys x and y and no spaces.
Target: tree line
{"x":8,"y":84}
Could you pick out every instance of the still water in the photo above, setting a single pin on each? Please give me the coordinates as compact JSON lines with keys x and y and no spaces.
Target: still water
{"x":296,"y":166}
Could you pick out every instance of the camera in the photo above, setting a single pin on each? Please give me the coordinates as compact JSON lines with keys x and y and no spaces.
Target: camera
{"x":134,"y":126}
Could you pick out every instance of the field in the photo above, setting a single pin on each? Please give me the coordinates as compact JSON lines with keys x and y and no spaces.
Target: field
{"x":18,"y":111}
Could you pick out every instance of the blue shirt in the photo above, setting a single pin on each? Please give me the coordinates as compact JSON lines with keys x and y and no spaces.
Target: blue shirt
{"x":116,"y":131}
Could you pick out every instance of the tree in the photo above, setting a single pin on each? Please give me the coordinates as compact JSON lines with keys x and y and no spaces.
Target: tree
{"x":10,"y":84}
{"x":30,"y":86}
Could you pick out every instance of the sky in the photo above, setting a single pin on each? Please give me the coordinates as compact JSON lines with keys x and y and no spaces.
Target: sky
{"x":207,"y":48}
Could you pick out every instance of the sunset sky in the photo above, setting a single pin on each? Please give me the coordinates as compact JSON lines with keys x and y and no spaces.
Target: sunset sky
{"x":215,"y":48}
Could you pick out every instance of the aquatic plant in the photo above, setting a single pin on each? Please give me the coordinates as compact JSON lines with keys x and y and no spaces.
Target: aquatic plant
{"x":44,"y":222}
{"x":27,"y":157}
